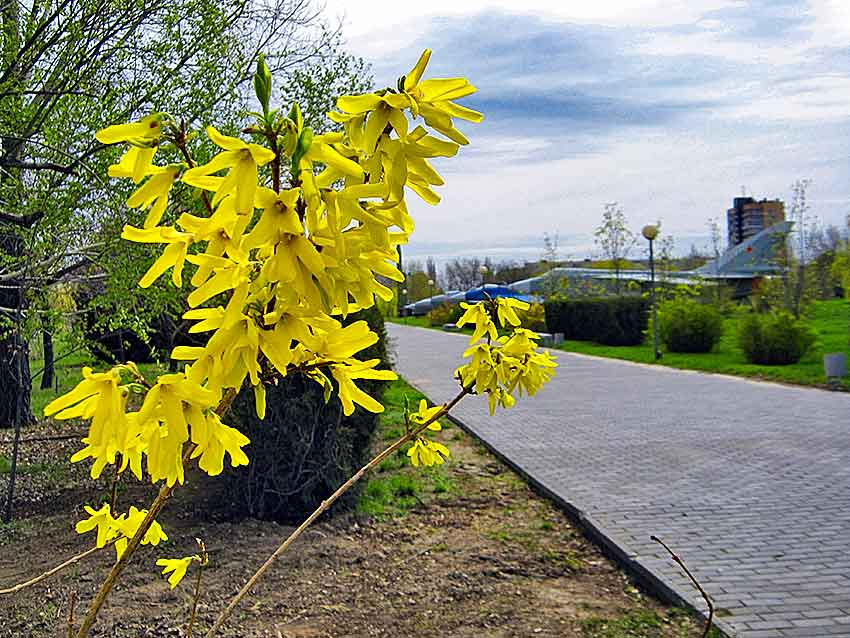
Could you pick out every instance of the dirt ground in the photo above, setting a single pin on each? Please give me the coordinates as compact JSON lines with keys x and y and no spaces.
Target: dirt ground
{"x":466,"y":550}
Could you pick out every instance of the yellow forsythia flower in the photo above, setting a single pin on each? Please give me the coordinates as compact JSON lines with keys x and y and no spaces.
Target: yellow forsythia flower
{"x":511,"y":362}
{"x":177,"y":567}
{"x":506,"y":308}
{"x":124,"y":526}
{"x":477,"y":314}
{"x":424,"y":414}
{"x":143,"y":137}
{"x":427,"y":453}
{"x":242,"y":159}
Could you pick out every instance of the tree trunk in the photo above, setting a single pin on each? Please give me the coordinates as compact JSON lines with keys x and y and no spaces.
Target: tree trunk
{"x":47,"y":348}
{"x":15,"y":382}
{"x":10,"y":386}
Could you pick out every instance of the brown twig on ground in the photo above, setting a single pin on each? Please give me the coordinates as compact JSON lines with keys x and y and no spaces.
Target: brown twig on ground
{"x":35,"y":439}
{"x":203,"y":562}
{"x":51,"y":571}
{"x":687,"y":571}
{"x":231,"y":606}
{"x":195,"y":599}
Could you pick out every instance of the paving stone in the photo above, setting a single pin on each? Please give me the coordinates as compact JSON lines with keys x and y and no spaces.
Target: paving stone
{"x":749,"y":482}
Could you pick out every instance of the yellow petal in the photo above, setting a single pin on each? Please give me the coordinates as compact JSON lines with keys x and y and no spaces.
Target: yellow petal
{"x":358,"y":103}
{"x":225,"y":141}
{"x":412,"y":78}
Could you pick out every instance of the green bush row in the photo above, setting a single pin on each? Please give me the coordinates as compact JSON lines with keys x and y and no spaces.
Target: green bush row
{"x":445,"y":313}
{"x":615,"y":321}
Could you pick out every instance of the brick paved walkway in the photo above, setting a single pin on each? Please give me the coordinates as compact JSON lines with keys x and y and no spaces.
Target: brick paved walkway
{"x":749,"y":482}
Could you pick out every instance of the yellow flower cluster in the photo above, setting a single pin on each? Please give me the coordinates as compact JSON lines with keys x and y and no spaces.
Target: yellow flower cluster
{"x":298,"y":230}
{"x":504,"y":363}
{"x":424,"y":451}
{"x":290,"y":259}
{"x":122,"y":527}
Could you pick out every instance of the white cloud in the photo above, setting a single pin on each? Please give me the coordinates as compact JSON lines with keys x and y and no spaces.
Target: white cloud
{"x":767,"y":109}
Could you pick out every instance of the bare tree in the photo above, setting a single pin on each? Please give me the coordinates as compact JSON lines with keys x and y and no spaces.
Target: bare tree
{"x":431,"y":270}
{"x":803,"y":226}
{"x":463,"y":273}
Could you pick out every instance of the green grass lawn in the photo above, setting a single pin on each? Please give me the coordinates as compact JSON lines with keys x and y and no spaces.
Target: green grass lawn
{"x":831,"y":320}
{"x":421,"y":322}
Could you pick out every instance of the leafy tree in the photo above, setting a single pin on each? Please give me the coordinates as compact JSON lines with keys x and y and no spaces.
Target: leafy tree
{"x":615,"y":240}
{"x":68,"y":67}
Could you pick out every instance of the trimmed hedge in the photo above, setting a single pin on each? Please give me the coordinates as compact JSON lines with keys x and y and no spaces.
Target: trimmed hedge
{"x":774,"y":338}
{"x":686,"y":325}
{"x":304,"y":449}
{"x":614,"y":321}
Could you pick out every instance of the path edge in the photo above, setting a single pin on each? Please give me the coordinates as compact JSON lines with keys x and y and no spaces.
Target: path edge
{"x":597,"y":533}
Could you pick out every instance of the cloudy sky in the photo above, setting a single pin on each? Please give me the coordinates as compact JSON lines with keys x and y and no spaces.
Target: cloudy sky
{"x":667,"y":107}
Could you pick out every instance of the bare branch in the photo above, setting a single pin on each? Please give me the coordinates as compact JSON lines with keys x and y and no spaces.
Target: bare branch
{"x":37,"y":166}
{"x":24,"y":221}
{"x":687,"y":571}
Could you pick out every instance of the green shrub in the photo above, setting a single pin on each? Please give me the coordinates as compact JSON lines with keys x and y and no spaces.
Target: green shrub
{"x":445,"y":313}
{"x":686,"y":325}
{"x":303,"y":450}
{"x":614,"y":321}
{"x":775,"y":338}
{"x":534,"y":318}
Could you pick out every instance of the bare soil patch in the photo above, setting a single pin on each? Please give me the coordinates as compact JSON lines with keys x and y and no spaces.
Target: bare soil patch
{"x":465,"y":550}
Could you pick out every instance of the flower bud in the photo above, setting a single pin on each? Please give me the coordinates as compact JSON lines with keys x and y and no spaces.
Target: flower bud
{"x":305,"y":140}
{"x":263,"y":83}
{"x":296,"y":117}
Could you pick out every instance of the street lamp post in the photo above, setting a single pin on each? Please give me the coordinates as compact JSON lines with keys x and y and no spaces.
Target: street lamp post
{"x":650,"y":232}
{"x":483,"y":270}
{"x":404,"y":303}
{"x":431,"y":291}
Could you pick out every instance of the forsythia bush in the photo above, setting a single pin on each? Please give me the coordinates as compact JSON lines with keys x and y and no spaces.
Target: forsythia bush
{"x":443,"y":314}
{"x":534,"y":318}
{"x":296,"y":229}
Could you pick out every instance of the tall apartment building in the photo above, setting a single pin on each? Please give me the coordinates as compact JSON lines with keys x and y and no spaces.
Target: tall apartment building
{"x":748,"y":217}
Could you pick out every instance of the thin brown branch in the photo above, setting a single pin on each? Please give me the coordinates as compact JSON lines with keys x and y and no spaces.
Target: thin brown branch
{"x":50,"y":572}
{"x":231,"y":606}
{"x":113,"y":498}
{"x":676,"y":559}
{"x":37,"y":166}
{"x":72,"y":604}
